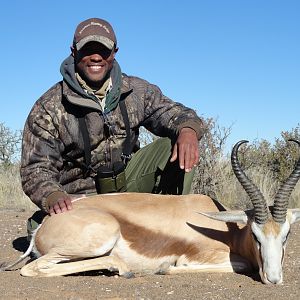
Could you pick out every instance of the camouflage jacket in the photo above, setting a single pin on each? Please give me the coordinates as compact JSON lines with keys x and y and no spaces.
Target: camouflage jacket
{"x":52,"y":138}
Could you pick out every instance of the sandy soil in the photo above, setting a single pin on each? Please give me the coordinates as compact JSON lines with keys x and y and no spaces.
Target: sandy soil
{"x":97,"y":286}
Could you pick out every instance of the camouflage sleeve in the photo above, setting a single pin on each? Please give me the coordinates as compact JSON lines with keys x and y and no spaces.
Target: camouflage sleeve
{"x":165,"y":117}
{"x":41,"y":159}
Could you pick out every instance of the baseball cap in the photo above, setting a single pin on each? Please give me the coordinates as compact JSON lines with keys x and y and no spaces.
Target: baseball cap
{"x":94,"y":30}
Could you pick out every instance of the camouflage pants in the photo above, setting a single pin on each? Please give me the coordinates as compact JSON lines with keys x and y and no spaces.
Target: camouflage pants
{"x":149,"y":171}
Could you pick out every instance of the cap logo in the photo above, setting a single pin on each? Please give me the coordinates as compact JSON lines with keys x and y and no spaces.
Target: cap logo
{"x":94,"y":24}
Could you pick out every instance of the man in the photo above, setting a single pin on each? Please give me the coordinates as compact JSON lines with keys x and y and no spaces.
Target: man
{"x":81,"y":135}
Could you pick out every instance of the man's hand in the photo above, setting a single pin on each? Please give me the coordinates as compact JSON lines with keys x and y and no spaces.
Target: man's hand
{"x":186,"y":149}
{"x":62,"y":205}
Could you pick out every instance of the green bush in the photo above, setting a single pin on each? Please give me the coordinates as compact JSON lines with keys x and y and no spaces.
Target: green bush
{"x":266,"y":165}
{"x":9,"y":144}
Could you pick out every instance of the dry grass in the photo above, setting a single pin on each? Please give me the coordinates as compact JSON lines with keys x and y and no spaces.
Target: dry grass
{"x":11,"y":193}
{"x":295,"y":197}
{"x":219,"y":182}
{"x":224,"y":187}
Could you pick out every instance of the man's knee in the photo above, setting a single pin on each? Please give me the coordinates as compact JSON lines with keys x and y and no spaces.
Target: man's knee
{"x":160,"y":151}
{"x":33,"y":222}
{"x":164,"y":144}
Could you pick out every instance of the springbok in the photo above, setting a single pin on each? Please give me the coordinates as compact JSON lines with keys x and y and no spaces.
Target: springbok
{"x":166,"y":234}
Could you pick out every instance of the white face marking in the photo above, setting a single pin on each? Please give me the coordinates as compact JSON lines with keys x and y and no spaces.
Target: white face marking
{"x":270,"y":239}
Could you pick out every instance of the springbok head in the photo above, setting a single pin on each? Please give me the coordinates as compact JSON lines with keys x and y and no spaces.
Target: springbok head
{"x":269,"y":227}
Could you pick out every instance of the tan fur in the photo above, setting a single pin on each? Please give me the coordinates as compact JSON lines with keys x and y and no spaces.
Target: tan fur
{"x":271,"y":228}
{"x":140,"y":237}
{"x":139,"y":232}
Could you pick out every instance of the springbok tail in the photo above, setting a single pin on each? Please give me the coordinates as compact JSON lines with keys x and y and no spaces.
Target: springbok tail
{"x":5,"y":267}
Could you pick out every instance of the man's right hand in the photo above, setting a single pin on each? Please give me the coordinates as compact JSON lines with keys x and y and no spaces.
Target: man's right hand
{"x":63,"y":204}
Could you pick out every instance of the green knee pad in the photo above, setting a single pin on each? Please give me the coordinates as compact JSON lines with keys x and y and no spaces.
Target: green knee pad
{"x":33,"y":223}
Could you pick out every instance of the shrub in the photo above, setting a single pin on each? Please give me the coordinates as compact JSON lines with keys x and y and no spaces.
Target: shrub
{"x":266,"y":165}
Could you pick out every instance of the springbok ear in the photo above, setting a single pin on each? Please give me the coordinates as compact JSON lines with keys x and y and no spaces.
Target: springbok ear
{"x":294,"y":215}
{"x":233,"y":216}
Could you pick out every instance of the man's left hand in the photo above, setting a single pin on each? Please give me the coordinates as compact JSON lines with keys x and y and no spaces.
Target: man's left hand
{"x":186,"y":149}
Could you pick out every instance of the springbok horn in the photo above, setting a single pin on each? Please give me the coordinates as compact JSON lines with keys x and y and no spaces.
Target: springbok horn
{"x":281,"y":199}
{"x":255,"y":195}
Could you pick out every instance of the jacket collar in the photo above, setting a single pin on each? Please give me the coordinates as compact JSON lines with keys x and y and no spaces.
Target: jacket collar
{"x":84,"y":101}
{"x":75,"y":94}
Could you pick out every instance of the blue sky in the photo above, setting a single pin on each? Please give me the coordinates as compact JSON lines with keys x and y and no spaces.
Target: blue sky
{"x":237,"y":61}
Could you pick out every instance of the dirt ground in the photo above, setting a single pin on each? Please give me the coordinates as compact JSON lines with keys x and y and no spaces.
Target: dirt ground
{"x":97,"y":286}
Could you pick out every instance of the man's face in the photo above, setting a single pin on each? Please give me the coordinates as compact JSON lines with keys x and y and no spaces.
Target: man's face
{"x":93,"y":63}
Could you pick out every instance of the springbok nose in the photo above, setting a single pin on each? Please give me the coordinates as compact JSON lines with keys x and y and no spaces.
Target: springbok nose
{"x":274,"y":278}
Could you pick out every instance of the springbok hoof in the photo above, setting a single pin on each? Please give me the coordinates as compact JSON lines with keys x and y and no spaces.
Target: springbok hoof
{"x":128,"y":275}
{"x":161,"y":272}
{"x":113,"y":269}
{"x":163,"y":268}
